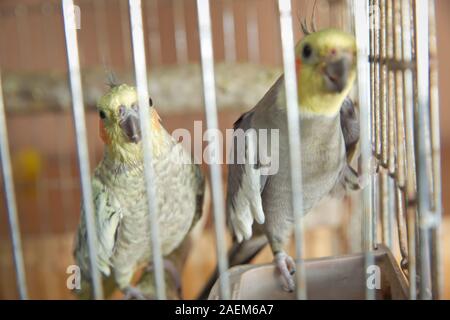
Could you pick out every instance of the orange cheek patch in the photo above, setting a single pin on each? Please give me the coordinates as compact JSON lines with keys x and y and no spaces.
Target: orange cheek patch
{"x":156,"y":120}
{"x":298,"y":65}
{"x":103,"y":135}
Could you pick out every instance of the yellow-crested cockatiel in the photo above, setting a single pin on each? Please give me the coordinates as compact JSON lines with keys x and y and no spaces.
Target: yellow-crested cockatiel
{"x":259,"y":205}
{"x":120,"y":201}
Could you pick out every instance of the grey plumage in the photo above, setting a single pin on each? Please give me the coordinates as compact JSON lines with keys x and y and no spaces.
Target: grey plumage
{"x":326,"y":142}
{"x":259,"y":197}
{"x":323,"y":160}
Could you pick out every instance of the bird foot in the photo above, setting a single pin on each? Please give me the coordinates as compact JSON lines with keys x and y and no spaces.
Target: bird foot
{"x":132,"y":293}
{"x":286,"y":266}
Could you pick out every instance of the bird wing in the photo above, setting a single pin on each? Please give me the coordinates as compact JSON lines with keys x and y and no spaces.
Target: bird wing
{"x":350,"y":127}
{"x":246,"y":180}
{"x":108,"y":215}
{"x":200,"y":194}
{"x":245,"y":184}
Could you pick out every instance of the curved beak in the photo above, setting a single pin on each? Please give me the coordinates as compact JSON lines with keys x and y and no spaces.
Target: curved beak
{"x":130,"y":125}
{"x":337,"y":73}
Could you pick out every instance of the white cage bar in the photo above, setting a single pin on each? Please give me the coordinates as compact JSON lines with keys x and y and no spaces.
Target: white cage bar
{"x":73,"y":62}
{"x":362,"y":27}
{"x":436,"y":255}
{"x":209,"y":94}
{"x":8,"y":185}
{"x":229,"y":31}
{"x":140,"y":69}
{"x":423,"y":152}
{"x":292,"y":104}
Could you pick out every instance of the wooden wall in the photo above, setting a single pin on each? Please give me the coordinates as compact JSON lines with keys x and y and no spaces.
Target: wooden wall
{"x":33,"y":32}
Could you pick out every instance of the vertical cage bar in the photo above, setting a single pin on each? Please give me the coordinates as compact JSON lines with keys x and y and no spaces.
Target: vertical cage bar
{"x":347,"y":17}
{"x":412,"y":267}
{"x":229,"y":36}
{"x":383,"y":84}
{"x":81,"y":138}
{"x":140,"y":69}
{"x":414,"y":199}
{"x":437,"y":271}
{"x":252,"y":31}
{"x":422,"y":136}
{"x":377,"y":197}
{"x":375,"y":210}
{"x":400,"y":133}
{"x":154,"y":37}
{"x":383,"y":207}
{"x":124,"y":25}
{"x":399,"y":103}
{"x":8,"y":185}
{"x":401,"y":225}
{"x":392,"y":132}
{"x":290,"y":78}
{"x":361,"y":14}
{"x":180,"y":32}
{"x":376,"y":25}
{"x":209,"y":95}
{"x":386,"y":207}
{"x":408,"y":99}
{"x":392,"y":205}
{"x":372,"y":68}
{"x":409,"y":141}
{"x":101,"y":31}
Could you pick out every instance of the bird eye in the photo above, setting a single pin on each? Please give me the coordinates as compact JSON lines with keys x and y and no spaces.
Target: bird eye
{"x":307,"y":51}
{"x":150,"y":101}
{"x":102,"y":114}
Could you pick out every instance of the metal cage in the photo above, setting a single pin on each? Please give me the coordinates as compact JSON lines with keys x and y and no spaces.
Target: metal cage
{"x":397,"y":94}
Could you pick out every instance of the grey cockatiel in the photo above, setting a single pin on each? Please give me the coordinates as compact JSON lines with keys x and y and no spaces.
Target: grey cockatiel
{"x":121,"y":213}
{"x":259,"y":203}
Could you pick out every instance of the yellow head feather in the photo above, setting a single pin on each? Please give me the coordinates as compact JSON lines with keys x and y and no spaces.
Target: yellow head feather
{"x":325,"y":46}
{"x":117,"y":143}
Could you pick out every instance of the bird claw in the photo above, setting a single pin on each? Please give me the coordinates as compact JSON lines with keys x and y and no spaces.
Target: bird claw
{"x":132,"y":293}
{"x":286,"y":266}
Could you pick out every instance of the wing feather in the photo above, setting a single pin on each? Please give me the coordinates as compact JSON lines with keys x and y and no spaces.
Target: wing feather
{"x":108,"y":215}
{"x":350,"y":127}
{"x":245,"y":183}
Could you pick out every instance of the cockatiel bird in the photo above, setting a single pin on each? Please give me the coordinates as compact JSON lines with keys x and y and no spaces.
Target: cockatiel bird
{"x":259,"y":205}
{"x":120,"y":201}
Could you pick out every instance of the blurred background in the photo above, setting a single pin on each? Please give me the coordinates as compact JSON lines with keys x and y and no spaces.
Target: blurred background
{"x":247,"y":51}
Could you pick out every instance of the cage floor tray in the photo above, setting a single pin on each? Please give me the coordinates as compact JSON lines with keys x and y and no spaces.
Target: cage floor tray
{"x":336,"y":278}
